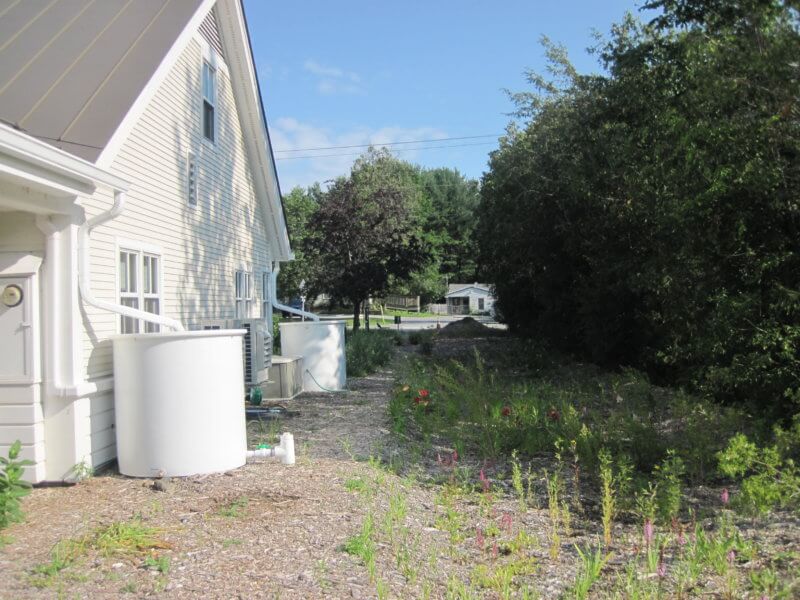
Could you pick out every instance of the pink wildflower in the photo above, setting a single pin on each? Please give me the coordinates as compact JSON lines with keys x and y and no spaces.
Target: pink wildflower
{"x":648,"y":532}
{"x":662,"y":568}
{"x":455,"y":456}
{"x":506,"y":522}
{"x":731,"y":557}
{"x":495,"y":550}
{"x":480,"y":540}
{"x":681,"y":538}
{"x":484,"y":481}
{"x":725,"y":496}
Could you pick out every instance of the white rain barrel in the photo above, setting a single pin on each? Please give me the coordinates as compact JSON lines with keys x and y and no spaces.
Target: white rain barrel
{"x":179,"y":402}
{"x":321,"y":344}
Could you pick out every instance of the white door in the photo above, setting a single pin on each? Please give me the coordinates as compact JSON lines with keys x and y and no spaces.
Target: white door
{"x":16,"y":324}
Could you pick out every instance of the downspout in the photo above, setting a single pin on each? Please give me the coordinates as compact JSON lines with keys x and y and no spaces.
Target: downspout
{"x":274,"y":299}
{"x":84,"y":273}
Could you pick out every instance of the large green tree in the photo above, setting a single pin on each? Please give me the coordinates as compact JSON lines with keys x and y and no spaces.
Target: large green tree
{"x":301,"y":277}
{"x":650,"y":216}
{"x":365,"y":231}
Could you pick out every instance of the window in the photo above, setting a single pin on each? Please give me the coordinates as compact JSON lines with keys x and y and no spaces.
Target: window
{"x":244,"y":294}
{"x":266,"y":304}
{"x":191,"y":180}
{"x":480,"y":304}
{"x":140,"y":288}
{"x":209,"y":100}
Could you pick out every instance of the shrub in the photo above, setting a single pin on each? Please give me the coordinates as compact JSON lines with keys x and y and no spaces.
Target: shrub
{"x":12,"y":487}
{"x":770,"y":476}
{"x":367,"y":351}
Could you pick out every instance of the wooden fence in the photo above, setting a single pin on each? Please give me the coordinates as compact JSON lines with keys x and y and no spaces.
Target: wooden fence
{"x":397,"y":302}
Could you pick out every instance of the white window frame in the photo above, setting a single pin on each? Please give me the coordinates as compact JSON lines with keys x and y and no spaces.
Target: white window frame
{"x":243,"y":293}
{"x":137,"y":297}
{"x":209,"y":96}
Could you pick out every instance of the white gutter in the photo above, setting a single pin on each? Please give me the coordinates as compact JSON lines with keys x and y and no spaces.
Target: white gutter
{"x":274,"y":299}
{"x":84,"y":272}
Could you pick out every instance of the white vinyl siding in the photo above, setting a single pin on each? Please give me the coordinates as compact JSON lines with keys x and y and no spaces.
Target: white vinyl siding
{"x":200,"y":248}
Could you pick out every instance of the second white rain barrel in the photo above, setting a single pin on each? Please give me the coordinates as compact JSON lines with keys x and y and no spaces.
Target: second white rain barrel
{"x":179,"y":402}
{"x":321,"y":344}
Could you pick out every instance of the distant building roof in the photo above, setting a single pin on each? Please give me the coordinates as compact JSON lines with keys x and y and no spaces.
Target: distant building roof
{"x":457,"y":287}
{"x":70,"y":70}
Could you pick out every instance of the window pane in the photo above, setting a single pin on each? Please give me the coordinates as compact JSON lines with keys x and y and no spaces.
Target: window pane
{"x":206,"y":80}
{"x":151,"y":305}
{"x":146,"y":275}
{"x":129,"y":324}
{"x":150,"y":276}
{"x":123,"y":272}
{"x":208,"y":120}
{"x":132,"y":273}
{"x":238,"y":284}
{"x":154,"y":285}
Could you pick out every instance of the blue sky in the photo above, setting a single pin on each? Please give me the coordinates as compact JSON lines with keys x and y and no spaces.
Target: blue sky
{"x":356,"y":72}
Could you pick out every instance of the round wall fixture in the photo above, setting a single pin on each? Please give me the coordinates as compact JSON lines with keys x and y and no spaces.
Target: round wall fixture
{"x":12,"y":295}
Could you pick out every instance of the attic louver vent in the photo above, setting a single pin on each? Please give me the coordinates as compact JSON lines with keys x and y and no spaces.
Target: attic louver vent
{"x":210,"y":31}
{"x":191,"y":180}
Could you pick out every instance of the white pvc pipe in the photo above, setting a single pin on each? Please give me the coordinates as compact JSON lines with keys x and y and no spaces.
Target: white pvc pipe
{"x":84,"y":273}
{"x":284,"y":451}
{"x":274,"y":299}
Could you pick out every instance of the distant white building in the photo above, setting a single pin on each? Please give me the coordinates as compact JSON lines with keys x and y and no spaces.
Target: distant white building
{"x":469,"y":298}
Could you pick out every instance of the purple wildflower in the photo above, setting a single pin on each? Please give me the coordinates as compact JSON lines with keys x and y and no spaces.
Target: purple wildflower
{"x":648,"y":532}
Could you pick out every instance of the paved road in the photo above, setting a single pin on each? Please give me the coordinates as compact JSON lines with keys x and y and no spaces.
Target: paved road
{"x":417,"y":323}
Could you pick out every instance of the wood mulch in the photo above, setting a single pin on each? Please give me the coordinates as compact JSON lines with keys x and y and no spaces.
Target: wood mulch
{"x":272,"y":531}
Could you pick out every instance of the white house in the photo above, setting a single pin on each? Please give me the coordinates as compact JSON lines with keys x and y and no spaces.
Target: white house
{"x":144,"y":119}
{"x":469,"y":298}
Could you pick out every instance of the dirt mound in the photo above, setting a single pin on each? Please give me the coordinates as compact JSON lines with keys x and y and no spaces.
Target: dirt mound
{"x":466,"y":328}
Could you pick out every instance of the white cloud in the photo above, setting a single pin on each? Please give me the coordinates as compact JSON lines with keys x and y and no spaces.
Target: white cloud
{"x":333,"y":80}
{"x":290,"y":134}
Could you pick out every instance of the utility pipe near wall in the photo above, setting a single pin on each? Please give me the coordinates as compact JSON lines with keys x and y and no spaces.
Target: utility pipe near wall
{"x":284,"y":451}
{"x":84,"y":273}
{"x":274,"y":299}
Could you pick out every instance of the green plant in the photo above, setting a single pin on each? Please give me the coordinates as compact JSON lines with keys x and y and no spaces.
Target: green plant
{"x":669,"y":477}
{"x":81,"y":471}
{"x":516,"y":480}
{"x":592,"y":564}
{"x":363,"y":546}
{"x":12,"y":486}
{"x":235,"y":508}
{"x":125,"y":537}
{"x":770,"y":477}
{"x":554,"y":490}
{"x":159,"y":562}
{"x":608,"y":492}
{"x":367,"y":351}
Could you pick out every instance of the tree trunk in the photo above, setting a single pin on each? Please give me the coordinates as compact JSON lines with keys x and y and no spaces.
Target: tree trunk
{"x":356,"y":315}
{"x":366,"y":314}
